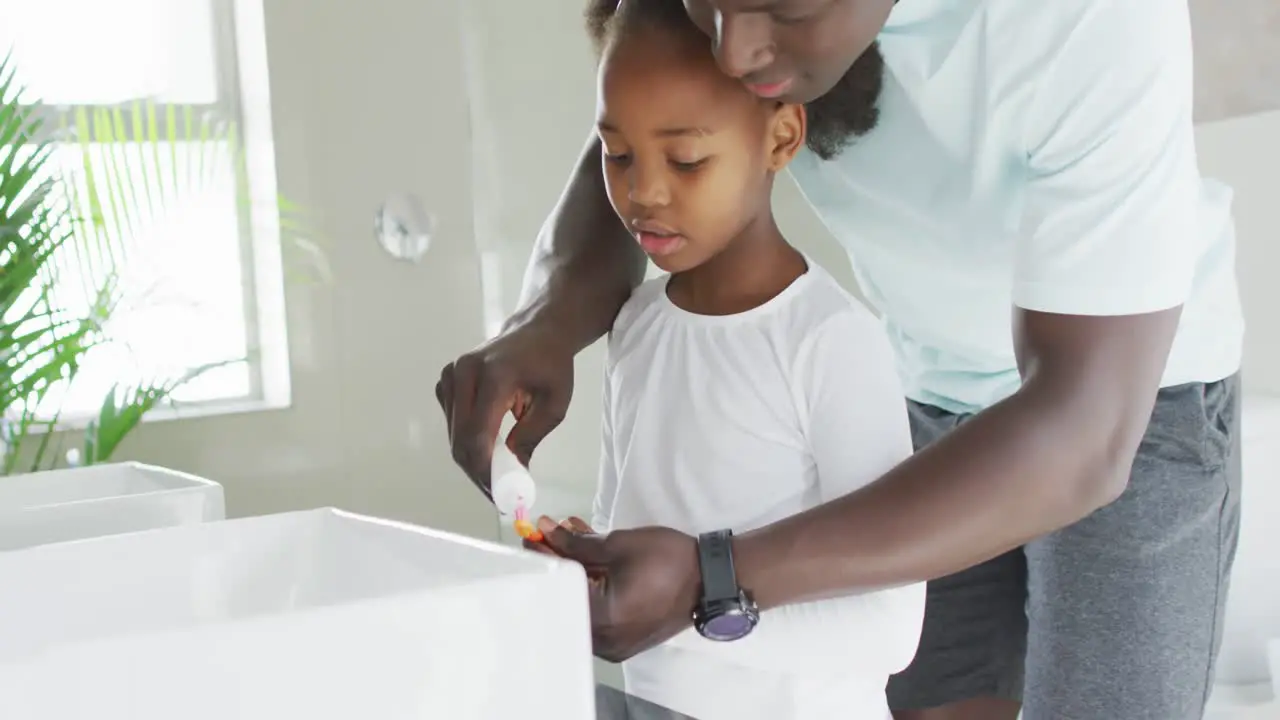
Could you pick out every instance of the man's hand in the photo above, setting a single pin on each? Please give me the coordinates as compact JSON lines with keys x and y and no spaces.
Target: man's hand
{"x":649,"y":584}
{"x":527,"y":370}
{"x":583,"y":268}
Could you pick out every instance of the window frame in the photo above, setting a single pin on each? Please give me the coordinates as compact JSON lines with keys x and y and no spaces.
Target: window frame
{"x":243,"y":98}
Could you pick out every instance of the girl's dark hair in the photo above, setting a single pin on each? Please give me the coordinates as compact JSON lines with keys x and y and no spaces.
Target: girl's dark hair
{"x":849,"y":110}
{"x":608,"y":18}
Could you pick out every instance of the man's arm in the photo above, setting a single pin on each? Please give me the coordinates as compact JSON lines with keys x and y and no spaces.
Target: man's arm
{"x":1106,"y":253}
{"x":1058,"y":449}
{"x":583,"y":268}
{"x":584,"y":264}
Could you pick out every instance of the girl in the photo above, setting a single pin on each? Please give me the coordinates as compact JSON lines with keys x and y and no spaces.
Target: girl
{"x":744,"y":386}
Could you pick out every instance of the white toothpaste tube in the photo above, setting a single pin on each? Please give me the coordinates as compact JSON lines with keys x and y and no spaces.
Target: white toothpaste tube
{"x":512,"y":485}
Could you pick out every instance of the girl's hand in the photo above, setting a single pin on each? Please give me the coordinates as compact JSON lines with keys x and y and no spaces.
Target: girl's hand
{"x":578,"y":526}
{"x":645,"y":584}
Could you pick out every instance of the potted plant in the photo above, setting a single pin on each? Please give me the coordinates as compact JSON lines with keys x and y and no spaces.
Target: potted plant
{"x":52,"y":222}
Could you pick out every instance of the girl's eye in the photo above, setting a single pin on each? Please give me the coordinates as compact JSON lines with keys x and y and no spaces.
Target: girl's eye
{"x":688,"y":166}
{"x":619,"y":159}
{"x":791,"y":19}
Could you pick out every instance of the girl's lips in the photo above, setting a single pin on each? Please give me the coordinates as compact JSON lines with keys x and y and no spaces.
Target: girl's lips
{"x":659,"y":244}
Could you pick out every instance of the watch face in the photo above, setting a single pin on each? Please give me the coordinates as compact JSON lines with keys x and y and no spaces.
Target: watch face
{"x":729,"y":626}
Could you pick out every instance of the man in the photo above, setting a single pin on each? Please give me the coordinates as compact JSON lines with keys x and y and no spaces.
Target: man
{"x":1074,"y":500}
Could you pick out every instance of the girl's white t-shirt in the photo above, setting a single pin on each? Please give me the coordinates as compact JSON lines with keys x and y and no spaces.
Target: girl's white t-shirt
{"x":715,"y":422}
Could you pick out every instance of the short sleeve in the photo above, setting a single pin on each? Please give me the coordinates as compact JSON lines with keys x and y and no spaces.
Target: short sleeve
{"x":855,"y":409}
{"x":1110,"y":220}
{"x":855,"y":419}
{"x":607,"y":483}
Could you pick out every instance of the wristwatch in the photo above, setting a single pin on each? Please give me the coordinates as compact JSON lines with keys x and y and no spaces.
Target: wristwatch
{"x":725,"y":611}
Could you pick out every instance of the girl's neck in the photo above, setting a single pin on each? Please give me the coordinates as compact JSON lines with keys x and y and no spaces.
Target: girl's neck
{"x":757,"y":265}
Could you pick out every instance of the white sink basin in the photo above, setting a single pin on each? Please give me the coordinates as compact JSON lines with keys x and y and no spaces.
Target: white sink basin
{"x":61,"y":505}
{"x":318,"y":615}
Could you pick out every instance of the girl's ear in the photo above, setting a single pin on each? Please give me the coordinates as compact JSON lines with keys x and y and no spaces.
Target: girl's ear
{"x":786,"y":134}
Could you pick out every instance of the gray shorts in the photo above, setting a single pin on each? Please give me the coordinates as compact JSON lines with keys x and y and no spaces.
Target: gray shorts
{"x":1118,"y":616}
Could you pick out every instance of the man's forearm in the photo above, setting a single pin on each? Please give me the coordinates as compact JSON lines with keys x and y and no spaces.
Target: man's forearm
{"x":1005,"y":477}
{"x":584,"y":264}
{"x":1058,"y":449}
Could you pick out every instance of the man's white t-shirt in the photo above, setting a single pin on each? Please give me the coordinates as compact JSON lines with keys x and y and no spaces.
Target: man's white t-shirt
{"x":1038,"y":155}
{"x":736,"y":421}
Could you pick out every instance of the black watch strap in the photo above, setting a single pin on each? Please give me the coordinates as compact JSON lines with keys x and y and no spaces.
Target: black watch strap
{"x":715,"y":556}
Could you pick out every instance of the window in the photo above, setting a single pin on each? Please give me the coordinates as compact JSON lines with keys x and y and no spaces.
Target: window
{"x":170,"y":97}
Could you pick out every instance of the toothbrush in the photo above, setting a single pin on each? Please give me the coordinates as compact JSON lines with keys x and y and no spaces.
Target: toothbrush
{"x":524,"y":527}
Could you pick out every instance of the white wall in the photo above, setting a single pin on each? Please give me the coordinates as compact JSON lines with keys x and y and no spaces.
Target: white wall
{"x":369,"y":100}
{"x":1245,"y":153}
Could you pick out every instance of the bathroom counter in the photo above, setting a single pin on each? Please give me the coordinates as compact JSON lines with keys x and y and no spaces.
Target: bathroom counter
{"x":614,"y":704}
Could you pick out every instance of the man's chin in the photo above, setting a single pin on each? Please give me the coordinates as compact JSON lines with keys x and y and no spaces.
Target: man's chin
{"x":810,"y":90}
{"x":805,"y":92}
{"x":848,"y":109}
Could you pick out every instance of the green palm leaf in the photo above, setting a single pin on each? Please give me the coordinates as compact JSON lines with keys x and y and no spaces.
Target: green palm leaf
{"x":123,"y":409}
{"x":81,"y":221}
{"x":40,"y":346}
